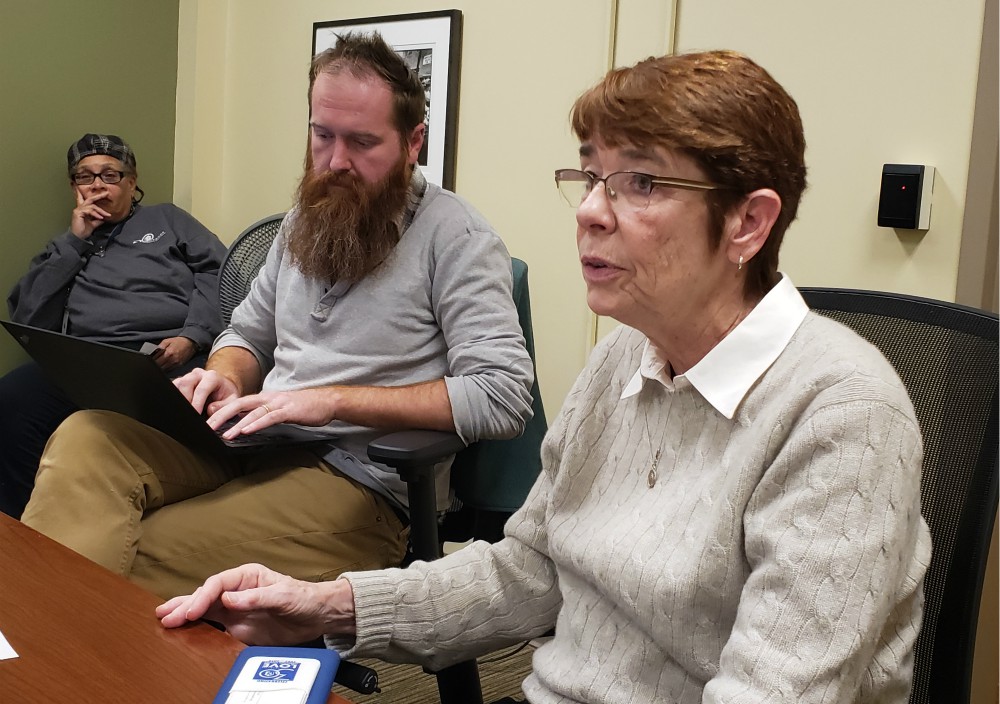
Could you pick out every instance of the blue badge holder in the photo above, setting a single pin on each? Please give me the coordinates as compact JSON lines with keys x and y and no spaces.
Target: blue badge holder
{"x":263,"y":673}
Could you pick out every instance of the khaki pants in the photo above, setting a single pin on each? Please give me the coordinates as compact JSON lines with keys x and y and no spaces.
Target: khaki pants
{"x":134,"y":500}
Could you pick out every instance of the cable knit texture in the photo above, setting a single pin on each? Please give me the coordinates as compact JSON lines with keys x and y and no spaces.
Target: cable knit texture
{"x":779,"y":557}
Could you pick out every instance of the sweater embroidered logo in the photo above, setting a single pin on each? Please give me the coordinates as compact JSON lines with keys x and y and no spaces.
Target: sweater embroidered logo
{"x":148,"y":238}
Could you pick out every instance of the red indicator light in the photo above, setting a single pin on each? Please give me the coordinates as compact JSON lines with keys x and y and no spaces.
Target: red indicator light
{"x":902,"y":188}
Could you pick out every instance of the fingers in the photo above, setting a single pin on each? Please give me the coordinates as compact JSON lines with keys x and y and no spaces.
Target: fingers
{"x":211,"y":386}
{"x":86,"y":206}
{"x":176,"y":351}
{"x":312,"y":407}
{"x":256,"y":605}
{"x":93,"y":198}
{"x":165,"y":360}
{"x":177,"y":611}
{"x":183,"y":609}
{"x":188,"y":383}
{"x":198,"y":386}
{"x":170,"y":605}
{"x":206,"y":387}
{"x":87,"y":216}
{"x":87,"y":200}
{"x":184,"y":349}
{"x":180,"y":346}
{"x":258,"y":599}
{"x":258,"y":413}
{"x":216,"y":393}
{"x":222,"y":414}
{"x":207,"y":599}
{"x":94,"y":212}
{"x":257,"y":419}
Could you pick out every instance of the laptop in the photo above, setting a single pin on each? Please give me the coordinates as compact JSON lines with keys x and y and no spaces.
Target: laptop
{"x":100,"y":376}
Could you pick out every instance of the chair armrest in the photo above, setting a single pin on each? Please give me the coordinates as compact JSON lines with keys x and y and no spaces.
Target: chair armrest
{"x":413,"y":454}
{"x":410,"y":449}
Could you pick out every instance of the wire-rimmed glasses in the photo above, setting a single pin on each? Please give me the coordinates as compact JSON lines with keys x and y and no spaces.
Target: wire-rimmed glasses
{"x":629,"y":187}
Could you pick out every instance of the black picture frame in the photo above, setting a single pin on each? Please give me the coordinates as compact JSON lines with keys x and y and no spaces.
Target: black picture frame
{"x":432,"y":43}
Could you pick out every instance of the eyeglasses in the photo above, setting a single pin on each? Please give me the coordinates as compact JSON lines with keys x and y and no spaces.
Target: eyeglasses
{"x":631,"y":187}
{"x":85,"y":178}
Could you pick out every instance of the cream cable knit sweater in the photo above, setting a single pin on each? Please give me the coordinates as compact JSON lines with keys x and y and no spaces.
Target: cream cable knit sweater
{"x":778,"y":558}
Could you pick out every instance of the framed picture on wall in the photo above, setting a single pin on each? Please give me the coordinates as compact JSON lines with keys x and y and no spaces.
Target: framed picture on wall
{"x":430,"y":44}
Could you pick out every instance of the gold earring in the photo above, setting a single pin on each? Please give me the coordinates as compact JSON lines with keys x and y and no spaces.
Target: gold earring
{"x":739,"y":266}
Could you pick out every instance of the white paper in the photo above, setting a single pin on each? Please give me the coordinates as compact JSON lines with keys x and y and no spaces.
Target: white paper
{"x":6,"y":652}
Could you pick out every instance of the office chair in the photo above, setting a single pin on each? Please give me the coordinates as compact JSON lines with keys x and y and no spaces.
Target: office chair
{"x":946,"y":355}
{"x":245,"y":258}
{"x":490,"y":479}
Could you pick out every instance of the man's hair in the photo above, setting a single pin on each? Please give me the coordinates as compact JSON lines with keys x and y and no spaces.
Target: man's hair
{"x":723,"y":111}
{"x":368,"y":56}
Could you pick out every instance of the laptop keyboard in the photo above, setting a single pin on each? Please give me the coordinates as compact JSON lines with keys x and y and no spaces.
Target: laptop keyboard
{"x":239,"y":439}
{"x":274,"y":434}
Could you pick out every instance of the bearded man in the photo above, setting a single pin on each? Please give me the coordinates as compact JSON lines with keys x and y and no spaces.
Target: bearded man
{"x":384,"y":303}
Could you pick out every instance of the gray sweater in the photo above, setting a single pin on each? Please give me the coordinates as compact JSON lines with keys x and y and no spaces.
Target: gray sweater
{"x":147,"y":278}
{"x":439,"y":307}
{"x":778,"y":558}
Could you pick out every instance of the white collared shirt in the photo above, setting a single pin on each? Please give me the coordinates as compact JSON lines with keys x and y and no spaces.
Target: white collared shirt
{"x":724,"y":375}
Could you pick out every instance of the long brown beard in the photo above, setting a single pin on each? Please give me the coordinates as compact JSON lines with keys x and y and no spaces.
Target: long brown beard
{"x":345,"y":228}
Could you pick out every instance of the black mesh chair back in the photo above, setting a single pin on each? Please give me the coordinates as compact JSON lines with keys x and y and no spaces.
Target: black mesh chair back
{"x":946,"y":355}
{"x":245,"y":258}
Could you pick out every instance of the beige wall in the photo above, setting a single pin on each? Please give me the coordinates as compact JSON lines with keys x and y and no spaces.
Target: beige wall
{"x":891,"y":81}
{"x":886,"y":82}
{"x":977,"y":266}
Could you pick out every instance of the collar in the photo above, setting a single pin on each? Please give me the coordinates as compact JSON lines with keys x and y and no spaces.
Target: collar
{"x":724,"y":375}
{"x":418,"y":186}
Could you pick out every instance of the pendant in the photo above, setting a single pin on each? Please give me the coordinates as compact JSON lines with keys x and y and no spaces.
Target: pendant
{"x":651,"y":477}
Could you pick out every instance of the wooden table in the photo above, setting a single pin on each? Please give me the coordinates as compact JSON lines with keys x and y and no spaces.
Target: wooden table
{"x":86,"y":635}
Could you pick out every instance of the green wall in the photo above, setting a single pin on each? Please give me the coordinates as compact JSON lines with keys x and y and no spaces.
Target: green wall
{"x":66,"y":68}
